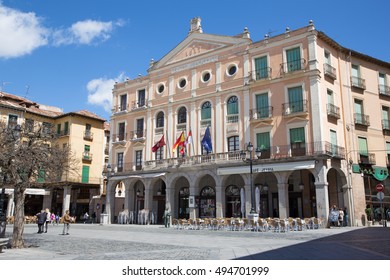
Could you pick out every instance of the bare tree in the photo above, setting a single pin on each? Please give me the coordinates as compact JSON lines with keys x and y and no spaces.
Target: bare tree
{"x":28,"y":154}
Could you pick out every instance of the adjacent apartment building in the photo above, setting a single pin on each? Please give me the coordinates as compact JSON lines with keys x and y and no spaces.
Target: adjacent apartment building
{"x":223,"y":126}
{"x":84,"y":132}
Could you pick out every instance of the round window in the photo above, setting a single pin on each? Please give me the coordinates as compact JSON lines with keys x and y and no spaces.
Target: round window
{"x":232,"y":70}
{"x":182,"y":83}
{"x":160,"y":88}
{"x":206,"y":77}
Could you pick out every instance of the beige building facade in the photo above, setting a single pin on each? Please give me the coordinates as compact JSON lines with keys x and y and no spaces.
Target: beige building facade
{"x":79,"y":191}
{"x":296,"y":98}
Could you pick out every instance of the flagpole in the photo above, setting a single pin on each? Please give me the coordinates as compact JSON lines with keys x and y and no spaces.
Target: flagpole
{"x":192,"y":143}
{"x":169,"y":148}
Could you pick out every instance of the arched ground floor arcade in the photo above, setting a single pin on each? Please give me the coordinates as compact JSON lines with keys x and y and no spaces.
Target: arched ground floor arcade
{"x":282,"y":189}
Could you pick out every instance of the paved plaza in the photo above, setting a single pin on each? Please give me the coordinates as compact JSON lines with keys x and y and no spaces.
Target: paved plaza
{"x":155,"y":242}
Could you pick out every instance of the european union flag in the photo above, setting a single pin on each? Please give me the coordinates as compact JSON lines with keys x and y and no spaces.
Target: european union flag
{"x":206,"y":141}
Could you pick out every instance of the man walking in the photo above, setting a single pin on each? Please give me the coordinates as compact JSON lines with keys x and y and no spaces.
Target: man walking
{"x":67,"y":220}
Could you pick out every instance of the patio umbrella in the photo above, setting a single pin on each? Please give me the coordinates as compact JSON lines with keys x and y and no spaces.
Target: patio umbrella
{"x":257,"y":197}
{"x":242,"y":196}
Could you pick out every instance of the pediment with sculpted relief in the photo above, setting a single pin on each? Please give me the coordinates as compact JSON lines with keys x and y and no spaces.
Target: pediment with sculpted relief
{"x":195,"y":48}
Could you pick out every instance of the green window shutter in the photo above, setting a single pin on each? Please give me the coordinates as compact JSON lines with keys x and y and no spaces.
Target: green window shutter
{"x":206,"y":113}
{"x":388,"y":147}
{"x":66,"y":128}
{"x":87,"y":148}
{"x":85,"y":174}
{"x":293,"y":59}
{"x":262,"y":105}
{"x":263,"y":140}
{"x":295,"y":99}
{"x":362,"y":143}
{"x":232,"y":106}
{"x":41,"y":176}
{"x":59,"y":129}
{"x":261,"y":66}
{"x":297,"y":135}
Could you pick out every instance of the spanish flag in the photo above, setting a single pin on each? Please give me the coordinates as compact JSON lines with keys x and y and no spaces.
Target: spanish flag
{"x":179,"y":141}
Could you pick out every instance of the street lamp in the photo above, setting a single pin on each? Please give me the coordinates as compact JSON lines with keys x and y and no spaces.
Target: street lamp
{"x":251,"y":160}
{"x":108,"y":172}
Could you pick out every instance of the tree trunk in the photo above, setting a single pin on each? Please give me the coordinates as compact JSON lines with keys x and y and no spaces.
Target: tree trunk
{"x":17,"y":236}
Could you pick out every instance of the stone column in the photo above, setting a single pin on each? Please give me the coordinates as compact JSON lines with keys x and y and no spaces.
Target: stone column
{"x":66,"y":199}
{"x":322,"y":192}
{"x":219,"y":201}
{"x":284,"y":207}
{"x":47,"y":198}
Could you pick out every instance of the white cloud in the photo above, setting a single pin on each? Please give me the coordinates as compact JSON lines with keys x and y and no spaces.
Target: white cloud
{"x":85,"y":32}
{"x":100,"y":91}
{"x":21,"y":33}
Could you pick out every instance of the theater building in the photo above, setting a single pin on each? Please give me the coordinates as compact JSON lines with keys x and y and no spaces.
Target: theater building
{"x":223,"y":126}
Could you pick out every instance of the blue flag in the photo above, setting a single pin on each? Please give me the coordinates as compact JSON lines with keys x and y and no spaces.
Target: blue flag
{"x":206,"y":141}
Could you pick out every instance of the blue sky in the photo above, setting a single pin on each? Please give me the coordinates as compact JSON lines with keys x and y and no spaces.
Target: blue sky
{"x":70,"y":53}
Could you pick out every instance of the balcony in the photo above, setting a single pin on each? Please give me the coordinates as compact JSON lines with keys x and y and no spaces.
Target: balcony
{"x":261,"y":74}
{"x":120,"y":108}
{"x":330,"y":71}
{"x":120,"y":137}
{"x":233,"y":118}
{"x":138,"y":105}
{"x":137,"y":135}
{"x":362,"y":120}
{"x":384,"y":90}
{"x":386,"y":125}
{"x":63,"y":133}
{"x":261,"y":113}
{"x":294,"y":108}
{"x":293,"y":66}
{"x":366,"y":158}
{"x":358,"y":83}
{"x":87,"y":156}
{"x":88,"y":135}
{"x":312,"y":150}
{"x":333,"y":111}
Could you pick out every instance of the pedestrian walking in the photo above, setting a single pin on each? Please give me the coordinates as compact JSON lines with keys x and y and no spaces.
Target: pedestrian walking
{"x":52,"y":218}
{"x":67,"y":219}
{"x":86,"y":217}
{"x":48,"y":216}
{"x":334,"y":216}
{"x":41,"y":220}
{"x":167,"y":218}
{"x":341,"y":217}
{"x":93,"y":217}
{"x":345,"y":217}
{"x":57,"y":218}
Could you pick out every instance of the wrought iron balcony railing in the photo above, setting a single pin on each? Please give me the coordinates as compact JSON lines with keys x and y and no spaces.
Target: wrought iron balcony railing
{"x":294,"y":108}
{"x":333,"y":111}
{"x":330,"y":71}
{"x":357,"y":82}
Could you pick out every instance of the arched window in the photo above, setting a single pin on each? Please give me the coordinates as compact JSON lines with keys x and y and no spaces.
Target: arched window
{"x":233,"y":143}
{"x":160,"y":119}
{"x":233,"y":201}
{"x":232,"y":109}
{"x":182,"y":115}
{"x":207,"y":207}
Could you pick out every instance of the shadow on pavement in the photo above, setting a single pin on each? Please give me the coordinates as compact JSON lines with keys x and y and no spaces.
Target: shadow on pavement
{"x":369,"y":243}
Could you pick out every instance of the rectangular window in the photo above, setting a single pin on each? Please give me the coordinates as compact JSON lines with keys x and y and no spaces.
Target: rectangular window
{"x":293,"y":59}
{"x":119,"y":162}
{"x":138,"y":160}
{"x":359,"y":113}
{"x":29,"y":125}
{"x":261,"y":67}
{"x":121,"y":132}
{"x":262,"y":106}
{"x":333,"y":141}
{"x":295,"y":99}
{"x":327,"y":57}
{"x":160,"y":153}
{"x":388,"y":152}
{"x":59,"y":129}
{"x":140,"y":128}
{"x":12,"y":121}
{"x":363,"y":148}
{"x":385,"y":118}
{"x":297,"y":140}
{"x":233,"y":143}
{"x":46,"y":128}
{"x":66,"y":128}
{"x":123,"y":102}
{"x":330,"y":97}
{"x":141,"y":97}
{"x":264,"y":144}
{"x":85,"y":174}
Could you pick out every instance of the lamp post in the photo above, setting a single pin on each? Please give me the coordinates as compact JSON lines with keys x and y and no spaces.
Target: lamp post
{"x":108,"y":172}
{"x":251,"y":160}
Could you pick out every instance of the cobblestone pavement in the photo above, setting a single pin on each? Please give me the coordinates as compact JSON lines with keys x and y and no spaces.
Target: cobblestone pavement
{"x":154,"y":242}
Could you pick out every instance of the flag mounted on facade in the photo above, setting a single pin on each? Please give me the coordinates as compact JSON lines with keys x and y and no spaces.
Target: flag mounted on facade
{"x":189,"y":138}
{"x":158,"y":145}
{"x":206,"y":141}
{"x":179,"y":141}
